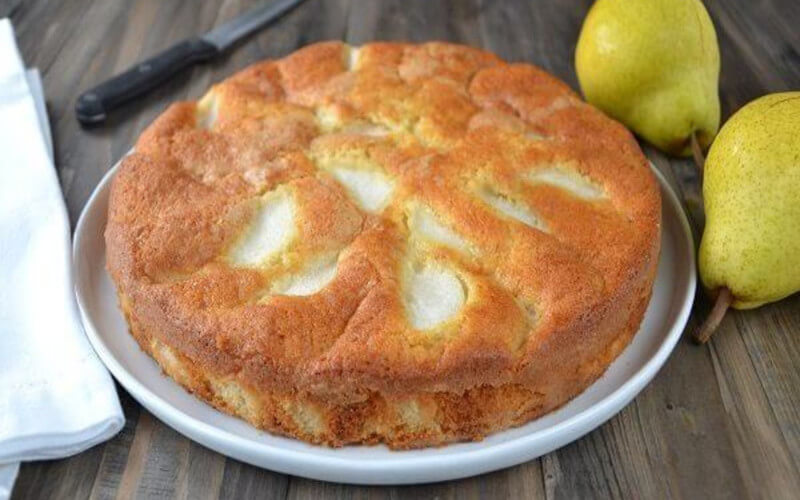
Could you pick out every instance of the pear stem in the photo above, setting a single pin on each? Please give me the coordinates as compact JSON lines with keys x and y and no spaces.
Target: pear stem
{"x":697,"y":151}
{"x":709,"y":326}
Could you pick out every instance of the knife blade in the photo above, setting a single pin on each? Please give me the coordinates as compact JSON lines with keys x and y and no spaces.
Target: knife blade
{"x":93,"y":106}
{"x":226,"y":35}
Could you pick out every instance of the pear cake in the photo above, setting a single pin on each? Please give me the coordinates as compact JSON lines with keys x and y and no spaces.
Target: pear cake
{"x":397,"y":243}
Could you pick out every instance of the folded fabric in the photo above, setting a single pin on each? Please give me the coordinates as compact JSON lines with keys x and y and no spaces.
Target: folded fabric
{"x":56,"y":398}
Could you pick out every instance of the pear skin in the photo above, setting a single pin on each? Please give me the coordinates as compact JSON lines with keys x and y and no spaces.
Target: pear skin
{"x":750,"y":251}
{"x":654,"y":66}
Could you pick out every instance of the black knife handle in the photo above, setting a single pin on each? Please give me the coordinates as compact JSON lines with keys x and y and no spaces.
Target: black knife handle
{"x":93,"y":105}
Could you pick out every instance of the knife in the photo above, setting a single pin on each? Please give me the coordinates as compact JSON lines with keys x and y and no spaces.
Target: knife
{"x":93,"y":105}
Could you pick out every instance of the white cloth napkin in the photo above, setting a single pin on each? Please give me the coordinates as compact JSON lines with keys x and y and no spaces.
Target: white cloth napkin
{"x":56,"y":398}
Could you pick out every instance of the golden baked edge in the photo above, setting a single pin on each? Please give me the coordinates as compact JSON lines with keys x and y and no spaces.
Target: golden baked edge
{"x":401,"y":421}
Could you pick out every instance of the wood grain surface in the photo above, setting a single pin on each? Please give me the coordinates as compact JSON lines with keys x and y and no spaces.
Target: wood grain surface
{"x":719,"y":421}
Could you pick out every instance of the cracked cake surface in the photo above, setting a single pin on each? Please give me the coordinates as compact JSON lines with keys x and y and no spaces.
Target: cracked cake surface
{"x":397,"y":243}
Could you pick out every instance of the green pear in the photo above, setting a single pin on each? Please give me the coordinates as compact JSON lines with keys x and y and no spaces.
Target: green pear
{"x":750,"y":251}
{"x":654,"y":66}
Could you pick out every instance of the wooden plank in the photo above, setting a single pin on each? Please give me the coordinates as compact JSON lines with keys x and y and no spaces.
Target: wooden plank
{"x":59,"y":479}
{"x":242,"y":481}
{"x":740,"y":82}
{"x":414,"y":21}
{"x":205,"y":474}
{"x":157,"y":465}
{"x":746,"y":27}
{"x":137,"y":455}
{"x":543,"y":33}
{"x":765,"y":462}
{"x":115,"y":452}
{"x":683,"y":425}
{"x":770,"y":337}
{"x":523,"y":481}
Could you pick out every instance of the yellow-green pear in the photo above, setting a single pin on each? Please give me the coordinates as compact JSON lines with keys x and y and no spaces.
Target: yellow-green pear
{"x":750,"y":251}
{"x":654,"y":66}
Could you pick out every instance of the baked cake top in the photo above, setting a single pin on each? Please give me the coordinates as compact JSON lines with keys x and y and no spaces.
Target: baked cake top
{"x":376,"y":218}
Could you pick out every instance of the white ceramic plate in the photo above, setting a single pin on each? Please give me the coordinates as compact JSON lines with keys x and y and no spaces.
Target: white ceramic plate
{"x":662,"y":327}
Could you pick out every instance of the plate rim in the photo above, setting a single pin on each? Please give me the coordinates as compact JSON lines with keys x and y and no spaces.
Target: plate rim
{"x":327,"y":467}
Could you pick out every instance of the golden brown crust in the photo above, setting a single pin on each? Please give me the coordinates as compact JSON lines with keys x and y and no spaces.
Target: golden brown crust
{"x":541,"y":209}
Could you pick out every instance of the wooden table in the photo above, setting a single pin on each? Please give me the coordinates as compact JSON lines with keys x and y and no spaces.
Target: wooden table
{"x":718,"y":421}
